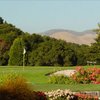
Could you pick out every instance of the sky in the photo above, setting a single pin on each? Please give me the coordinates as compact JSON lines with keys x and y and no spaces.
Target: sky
{"x":36,"y":16}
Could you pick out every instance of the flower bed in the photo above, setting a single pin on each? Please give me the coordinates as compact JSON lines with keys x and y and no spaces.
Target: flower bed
{"x":16,"y":88}
{"x":84,"y":96}
{"x":61,"y":95}
{"x":68,"y":95}
{"x":81,"y":76}
{"x":86,"y":76}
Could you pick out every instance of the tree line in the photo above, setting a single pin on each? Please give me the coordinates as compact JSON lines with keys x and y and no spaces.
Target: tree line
{"x":43,"y":50}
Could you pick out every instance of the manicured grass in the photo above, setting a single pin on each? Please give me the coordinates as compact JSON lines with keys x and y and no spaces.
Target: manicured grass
{"x":36,"y":76}
{"x":76,"y":87}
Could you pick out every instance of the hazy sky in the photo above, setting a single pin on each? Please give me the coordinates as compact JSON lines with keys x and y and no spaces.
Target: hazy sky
{"x":41,"y":15}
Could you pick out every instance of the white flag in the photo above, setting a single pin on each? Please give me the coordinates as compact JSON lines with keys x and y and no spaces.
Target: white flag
{"x":24,"y":51}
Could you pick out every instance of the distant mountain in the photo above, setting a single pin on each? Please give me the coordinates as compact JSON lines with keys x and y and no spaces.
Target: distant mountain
{"x":85,"y":37}
{"x":52,"y":31}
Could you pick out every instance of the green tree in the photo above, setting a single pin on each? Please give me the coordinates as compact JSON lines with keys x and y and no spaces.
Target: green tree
{"x":16,"y":53}
{"x":98,"y":33}
{"x":1,"y":20}
{"x":8,"y":33}
{"x":94,"y":53}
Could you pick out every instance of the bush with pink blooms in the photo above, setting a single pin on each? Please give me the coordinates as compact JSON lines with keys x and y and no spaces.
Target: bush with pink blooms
{"x":86,"y":76}
{"x":83,"y":96}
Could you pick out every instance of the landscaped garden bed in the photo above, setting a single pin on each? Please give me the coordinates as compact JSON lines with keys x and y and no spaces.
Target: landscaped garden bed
{"x":87,"y":76}
{"x":80,"y":76}
{"x":68,"y":95}
{"x":14,"y":87}
{"x":74,"y":90}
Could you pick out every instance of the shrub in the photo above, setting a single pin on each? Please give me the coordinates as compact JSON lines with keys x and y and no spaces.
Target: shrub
{"x":57,"y":79}
{"x":86,"y":76}
{"x":61,"y":79}
{"x":17,"y":88}
{"x":8,"y":76}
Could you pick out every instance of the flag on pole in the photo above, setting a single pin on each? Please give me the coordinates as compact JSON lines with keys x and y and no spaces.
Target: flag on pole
{"x":24,"y":51}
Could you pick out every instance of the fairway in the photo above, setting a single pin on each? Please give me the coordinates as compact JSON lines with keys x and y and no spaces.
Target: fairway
{"x":37,"y":77}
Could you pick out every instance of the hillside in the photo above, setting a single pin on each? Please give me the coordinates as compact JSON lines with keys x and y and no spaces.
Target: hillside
{"x":85,"y":37}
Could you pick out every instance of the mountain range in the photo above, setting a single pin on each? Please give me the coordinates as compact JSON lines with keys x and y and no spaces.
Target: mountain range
{"x":86,"y":37}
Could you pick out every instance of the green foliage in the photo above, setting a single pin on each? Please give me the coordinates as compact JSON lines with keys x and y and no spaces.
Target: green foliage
{"x":53,"y":53}
{"x":8,"y":33}
{"x":4,"y":46}
{"x":1,"y":20}
{"x":8,"y":76}
{"x":94,"y":53}
{"x":61,"y":79}
{"x":82,"y":54}
{"x":43,"y":50}
{"x":98,"y":33}
{"x":55,"y":79}
{"x":16,"y":53}
{"x":15,"y":87}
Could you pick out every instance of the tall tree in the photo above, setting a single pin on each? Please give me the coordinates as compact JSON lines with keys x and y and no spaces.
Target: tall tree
{"x":98,"y":33}
{"x":95,"y":47}
{"x":16,"y":53}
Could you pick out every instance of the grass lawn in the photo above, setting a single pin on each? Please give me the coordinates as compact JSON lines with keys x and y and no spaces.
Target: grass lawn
{"x":36,"y":75}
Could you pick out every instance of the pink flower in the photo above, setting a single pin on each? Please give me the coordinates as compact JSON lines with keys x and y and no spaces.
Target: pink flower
{"x":78,"y":68}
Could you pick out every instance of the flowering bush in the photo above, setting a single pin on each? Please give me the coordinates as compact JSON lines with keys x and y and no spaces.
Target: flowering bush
{"x":85,"y":76}
{"x":61,"y":95}
{"x":86,"y":97}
